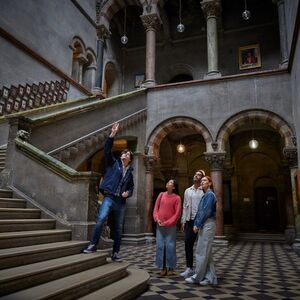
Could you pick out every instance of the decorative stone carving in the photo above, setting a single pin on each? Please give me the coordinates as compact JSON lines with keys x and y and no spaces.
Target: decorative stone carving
{"x":215,"y":160}
{"x":102,"y":32}
{"x":151,"y":22}
{"x":23,"y":135}
{"x":211,"y":8}
{"x":149,"y":162}
{"x":290,"y":154}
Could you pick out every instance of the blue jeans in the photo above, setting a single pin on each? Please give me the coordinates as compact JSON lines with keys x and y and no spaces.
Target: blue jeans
{"x":166,"y":247}
{"x":109,"y":204}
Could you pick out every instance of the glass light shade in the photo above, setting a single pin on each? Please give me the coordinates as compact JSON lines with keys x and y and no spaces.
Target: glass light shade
{"x":124,"y":39}
{"x":246,"y":14}
{"x":253,"y":144}
{"x":180,"y":27}
{"x":180,"y":148}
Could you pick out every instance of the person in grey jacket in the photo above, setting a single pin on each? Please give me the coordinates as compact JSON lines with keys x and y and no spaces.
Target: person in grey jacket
{"x":205,"y":225}
{"x":117,"y":186}
{"x":192,"y":197}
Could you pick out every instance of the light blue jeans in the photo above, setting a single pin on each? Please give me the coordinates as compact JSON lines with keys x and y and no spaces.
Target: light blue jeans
{"x":166,"y":247}
{"x":205,"y":267}
{"x":109,"y":204}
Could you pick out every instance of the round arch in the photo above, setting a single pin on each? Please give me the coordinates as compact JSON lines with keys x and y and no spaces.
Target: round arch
{"x":248,"y":117}
{"x":173,"y":124}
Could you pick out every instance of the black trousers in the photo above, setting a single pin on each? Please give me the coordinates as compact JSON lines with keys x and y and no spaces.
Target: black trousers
{"x":189,"y":241}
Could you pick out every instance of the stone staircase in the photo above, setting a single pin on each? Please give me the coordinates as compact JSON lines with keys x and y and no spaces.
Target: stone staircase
{"x":261,"y":237}
{"x":2,"y":158}
{"x":38,"y":261}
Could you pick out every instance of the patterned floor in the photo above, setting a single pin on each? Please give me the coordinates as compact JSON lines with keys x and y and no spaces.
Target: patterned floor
{"x":246,"y":270}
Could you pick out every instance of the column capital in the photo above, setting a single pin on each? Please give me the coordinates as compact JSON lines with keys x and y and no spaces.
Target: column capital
{"x":211,"y":8}
{"x":215,"y":160}
{"x":151,"y":21}
{"x":290,"y":154}
{"x":149,"y":162}
{"x":102,"y":32}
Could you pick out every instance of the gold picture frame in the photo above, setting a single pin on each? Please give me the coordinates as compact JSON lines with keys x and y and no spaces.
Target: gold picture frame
{"x":249,"y":57}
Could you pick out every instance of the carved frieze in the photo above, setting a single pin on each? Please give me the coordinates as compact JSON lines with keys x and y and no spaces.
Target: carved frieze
{"x":290,"y":154}
{"x":215,"y":160}
{"x":151,"y":21}
{"x":211,"y":8}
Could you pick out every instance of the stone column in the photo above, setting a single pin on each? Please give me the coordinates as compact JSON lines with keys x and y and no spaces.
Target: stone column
{"x":151,"y":23}
{"x":149,"y":162}
{"x":102,"y":34}
{"x":283,"y":34}
{"x":290,"y":155}
{"x":211,"y":9}
{"x":216,"y":161}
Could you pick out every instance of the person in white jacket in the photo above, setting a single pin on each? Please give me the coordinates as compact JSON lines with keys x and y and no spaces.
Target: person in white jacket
{"x":192,"y":197}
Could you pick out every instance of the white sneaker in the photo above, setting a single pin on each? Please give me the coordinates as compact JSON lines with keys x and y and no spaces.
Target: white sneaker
{"x":204,"y":282}
{"x":190,"y":280}
{"x":187,"y":273}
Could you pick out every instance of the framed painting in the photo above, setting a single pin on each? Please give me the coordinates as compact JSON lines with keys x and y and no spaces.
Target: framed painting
{"x":249,"y":57}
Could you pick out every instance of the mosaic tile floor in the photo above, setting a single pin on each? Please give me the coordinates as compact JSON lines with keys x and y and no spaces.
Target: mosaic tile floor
{"x":246,"y":270}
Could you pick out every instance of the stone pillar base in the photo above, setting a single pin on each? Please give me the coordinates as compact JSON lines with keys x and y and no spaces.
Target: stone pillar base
{"x":139,"y":238}
{"x":98,"y":92}
{"x":290,"y":234}
{"x":221,"y":241}
{"x":148,"y":83}
{"x":296,"y":245}
{"x":212,"y":74}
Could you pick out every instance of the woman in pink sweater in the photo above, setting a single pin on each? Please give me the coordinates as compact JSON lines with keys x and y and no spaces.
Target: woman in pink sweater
{"x":166,"y":213}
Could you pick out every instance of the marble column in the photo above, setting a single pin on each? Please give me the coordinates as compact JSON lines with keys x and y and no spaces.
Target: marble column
{"x":283,"y":35}
{"x":211,"y":9}
{"x":216,"y":161}
{"x":102,"y":34}
{"x":151,"y":22}
{"x":149,"y":162}
{"x":290,"y":155}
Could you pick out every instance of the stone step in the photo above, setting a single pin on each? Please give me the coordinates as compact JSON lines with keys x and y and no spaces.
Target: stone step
{"x":259,"y":237}
{"x":12,"y":203}
{"x":20,"y":213}
{"x":74,"y":286}
{"x":8,"y":225}
{"x":127,"y":288}
{"x":5,"y":193}
{"x":26,"y":238}
{"x":19,"y":256}
{"x":23,"y":277}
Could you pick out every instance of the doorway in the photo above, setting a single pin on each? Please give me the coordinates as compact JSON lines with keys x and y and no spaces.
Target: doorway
{"x":267,"y":209}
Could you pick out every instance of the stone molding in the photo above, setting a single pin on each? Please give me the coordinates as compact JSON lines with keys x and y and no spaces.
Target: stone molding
{"x":290,"y":154}
{"x":211,"y":8}
{"x":151,"y":22}
{"x":215,"y":160}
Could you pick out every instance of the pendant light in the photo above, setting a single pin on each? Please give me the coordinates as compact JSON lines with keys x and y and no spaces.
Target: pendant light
{"x":246,"y":14}
{"x":180,"y":148}
{"x":124,"y":38}
{"x":180,"y":26}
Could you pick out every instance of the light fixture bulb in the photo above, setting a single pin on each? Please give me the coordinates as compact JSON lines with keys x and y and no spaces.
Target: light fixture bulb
{"x":253,"y":144}
{"x":180,"y":148}
{"x":246,"y":14}
{"x":180,"y":27}
{"x":124,"y":39}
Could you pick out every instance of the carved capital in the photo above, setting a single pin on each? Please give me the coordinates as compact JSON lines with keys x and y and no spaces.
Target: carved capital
{"x":151,"y":22}
{"x":211,"y":8}
{"x":290,"y":154}
{"x":215,"y":160}
{"x":149,"y":162}
{"x":102,"y":32}
{"x":23,"y":135}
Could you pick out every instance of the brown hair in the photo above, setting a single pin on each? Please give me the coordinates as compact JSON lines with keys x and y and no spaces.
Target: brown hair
{"x":130,"y":153}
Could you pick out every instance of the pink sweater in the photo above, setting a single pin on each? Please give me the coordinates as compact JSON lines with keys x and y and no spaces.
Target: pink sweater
{"x":167,"y":209}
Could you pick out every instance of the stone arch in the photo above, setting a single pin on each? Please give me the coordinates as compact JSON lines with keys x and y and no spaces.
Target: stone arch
{"x":111,"y":80}
{"x":172,"y":124}
{"x":178,"y":69}
{"x":265,"y":117}
{"x":111,"y":7}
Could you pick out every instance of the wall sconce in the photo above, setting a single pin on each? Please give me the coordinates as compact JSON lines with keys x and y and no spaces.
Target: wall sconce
{"x":246,"y":14}
{"x":124,"y":38}
{"x":180,"y":148}
{"x":180,"y":26}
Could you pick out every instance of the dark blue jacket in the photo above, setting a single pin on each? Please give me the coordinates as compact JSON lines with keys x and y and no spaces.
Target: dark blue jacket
{"x":206,"y":209}
{"x":113,"y":173}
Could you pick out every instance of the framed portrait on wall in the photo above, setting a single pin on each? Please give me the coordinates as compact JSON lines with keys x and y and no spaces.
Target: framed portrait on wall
{"x":138,"y":80}
{"x":249,"y":57}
